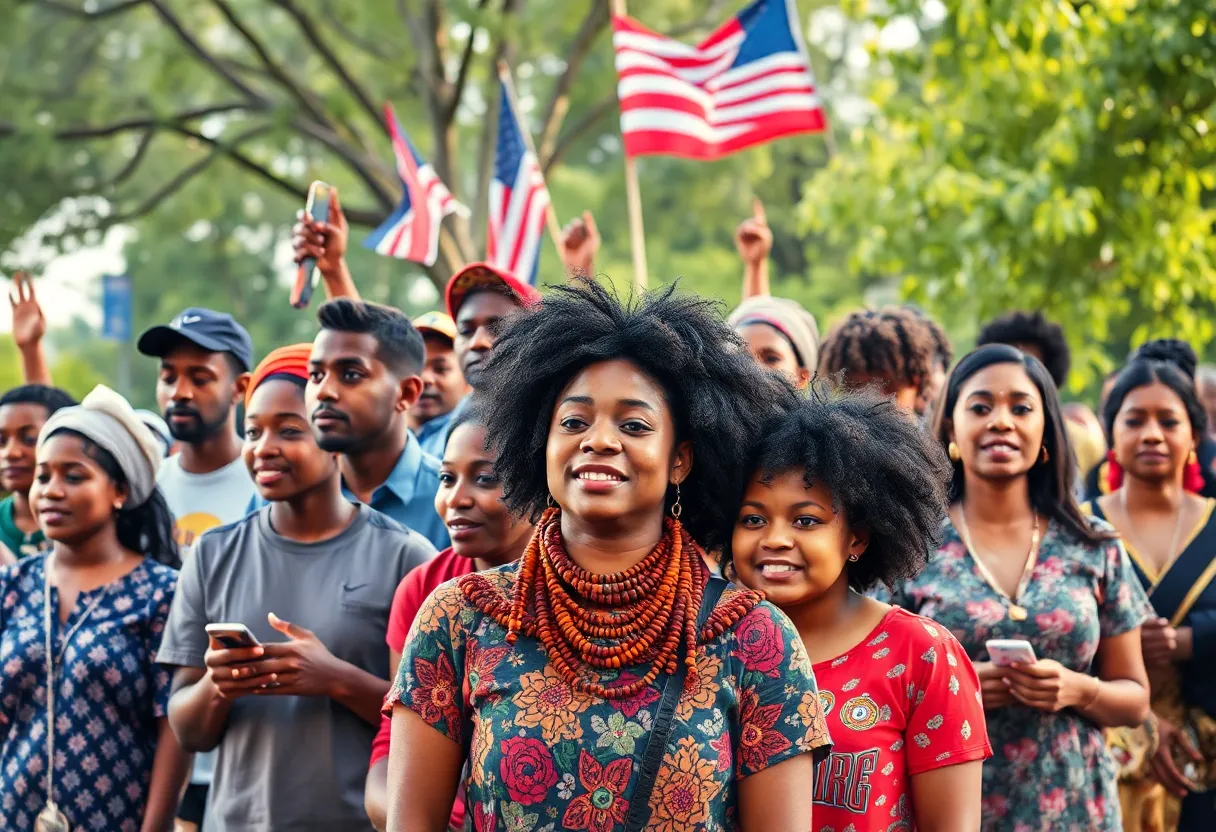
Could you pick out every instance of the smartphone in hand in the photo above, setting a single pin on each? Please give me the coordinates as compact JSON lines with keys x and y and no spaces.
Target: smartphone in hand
{"x":317,"y":209}
{"x":1008,"y":652}
{"x":231,"y":636}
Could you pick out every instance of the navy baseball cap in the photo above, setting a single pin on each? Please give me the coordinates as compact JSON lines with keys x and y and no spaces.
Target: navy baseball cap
{"x":211,"y":330}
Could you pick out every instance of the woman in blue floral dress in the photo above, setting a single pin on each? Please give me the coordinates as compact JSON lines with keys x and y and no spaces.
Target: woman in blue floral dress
{"x":105,"y":589}
{"x":1020,"y":561}
{"x":549,"y":674}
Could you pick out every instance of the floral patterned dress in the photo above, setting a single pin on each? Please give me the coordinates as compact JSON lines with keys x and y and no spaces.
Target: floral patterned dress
{"x":545,"y":757}
{"x":1048,"y":772}
{"x":110,"y":695}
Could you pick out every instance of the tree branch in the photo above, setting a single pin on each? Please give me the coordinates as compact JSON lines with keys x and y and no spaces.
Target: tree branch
{"x":559,"y":103}
{"x":202,"y":54}
{"x":314,"y":37}
{"x":145,"y":141}
{"x":276,"y":71}
{"x":360,"y":164}
{"x":65,"y":8}
{"x":344,"y":31}
{"x":582,"y":126}
{"x":466,"y":61}
{"x":137,"y":123}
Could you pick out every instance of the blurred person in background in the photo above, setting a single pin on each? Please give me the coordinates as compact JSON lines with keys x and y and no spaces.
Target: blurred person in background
{"x":1021,"y":561}
{"x":1205,"y":386}
{"x":484,"y":535}
{"x":891,"y":349}
{"x":443,"y":384}
{"x":23,"y":412}
{"x":780,"y":334}
{"x":1155,"y":421}
{"x":82,"y":700}
{"x":205,"y":358}
{"x":311,"y":575}
{"x":943,"y":356}
{"x":814,"y":534}
{"x":160,"y":430}
{"x":1034,"y":335}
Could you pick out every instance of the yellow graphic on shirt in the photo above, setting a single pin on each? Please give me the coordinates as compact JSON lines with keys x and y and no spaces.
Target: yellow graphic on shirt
{"x":188,"y":527}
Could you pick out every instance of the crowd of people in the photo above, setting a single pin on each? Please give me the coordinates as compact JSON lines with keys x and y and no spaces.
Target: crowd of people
{"x":590,"y":562}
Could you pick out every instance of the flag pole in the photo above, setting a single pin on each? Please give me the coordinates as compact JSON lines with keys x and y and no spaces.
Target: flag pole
{"x":555,"y":230}
{"x":633,"y":198}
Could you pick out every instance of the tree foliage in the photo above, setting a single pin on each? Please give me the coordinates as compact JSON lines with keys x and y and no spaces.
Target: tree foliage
{"x":1039,"y":154}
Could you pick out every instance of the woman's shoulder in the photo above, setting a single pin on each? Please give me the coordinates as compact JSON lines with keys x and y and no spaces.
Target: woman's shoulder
{"x":159,"y":575}
{"x":13,"y":574}
{"x":917,"y":633}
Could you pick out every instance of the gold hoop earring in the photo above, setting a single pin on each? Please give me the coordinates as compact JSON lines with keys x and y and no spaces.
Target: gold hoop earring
{"x":853,"y":558}
{"x":1193,"y":458}
{"x":1044,"y":456}
{"x":676,"y":508}
{"x":954,"y":452}
{"x":552,"y":502}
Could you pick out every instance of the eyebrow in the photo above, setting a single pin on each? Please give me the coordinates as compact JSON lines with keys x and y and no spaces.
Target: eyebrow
{"x":341,"y":361}
{"x":1018,"y":394}
{"x":587,"y":400}
{"x":804,"y":504}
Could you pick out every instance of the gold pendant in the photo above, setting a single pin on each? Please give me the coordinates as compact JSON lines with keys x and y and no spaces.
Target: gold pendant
{"x":1017,"y":613}
{"x":51,"y":819}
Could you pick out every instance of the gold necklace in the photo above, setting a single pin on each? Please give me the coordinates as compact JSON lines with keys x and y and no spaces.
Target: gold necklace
{"x":1016,"y":611}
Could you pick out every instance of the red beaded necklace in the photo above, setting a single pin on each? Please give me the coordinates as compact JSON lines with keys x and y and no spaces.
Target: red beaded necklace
{"x":589,"y":623}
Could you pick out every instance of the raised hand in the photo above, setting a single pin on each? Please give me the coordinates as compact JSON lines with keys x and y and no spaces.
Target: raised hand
{"x":753,"y":238}
{"x":580,"y":243}
{"x":325,"y":241}
{"x":29,"y":324}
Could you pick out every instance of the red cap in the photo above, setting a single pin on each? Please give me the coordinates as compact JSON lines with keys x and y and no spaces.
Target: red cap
{"x":478,"y":276}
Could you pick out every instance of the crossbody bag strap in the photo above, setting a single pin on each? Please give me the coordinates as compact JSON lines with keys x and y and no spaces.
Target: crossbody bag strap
{"x":656,"y":744}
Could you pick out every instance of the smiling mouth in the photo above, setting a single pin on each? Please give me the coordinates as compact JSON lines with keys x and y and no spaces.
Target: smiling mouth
{"x":1001,"y":447}
{"x":770,"y":569}
{"x":597,"y":476}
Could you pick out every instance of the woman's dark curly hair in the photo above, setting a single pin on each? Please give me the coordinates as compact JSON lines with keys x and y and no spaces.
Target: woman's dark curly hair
{"x":1051,"y":484}
{"x":893,"y":343}
{"x":1033,"y":330}
{"x":885,"y":474}
{"x":718,"y":395}
{"x":1142,"y":372}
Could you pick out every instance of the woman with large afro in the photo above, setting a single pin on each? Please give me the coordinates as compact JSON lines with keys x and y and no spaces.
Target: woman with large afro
{"x":606,"y":680}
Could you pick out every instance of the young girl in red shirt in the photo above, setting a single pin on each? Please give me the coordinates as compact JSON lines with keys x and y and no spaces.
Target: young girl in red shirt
{"x":847,"y":493}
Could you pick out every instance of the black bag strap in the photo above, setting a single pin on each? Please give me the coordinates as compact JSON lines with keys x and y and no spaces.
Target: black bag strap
{"x":656,"y":744}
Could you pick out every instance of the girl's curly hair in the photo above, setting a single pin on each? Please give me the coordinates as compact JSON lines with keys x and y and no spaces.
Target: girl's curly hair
{"x":884,"y":473}
{"x":719,"y":397}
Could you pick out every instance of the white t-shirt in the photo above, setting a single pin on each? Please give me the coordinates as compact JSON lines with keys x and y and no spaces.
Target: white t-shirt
{"x":201,"y":502}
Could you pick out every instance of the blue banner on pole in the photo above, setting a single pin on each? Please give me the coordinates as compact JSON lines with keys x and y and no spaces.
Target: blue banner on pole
{"x":116,"y":307}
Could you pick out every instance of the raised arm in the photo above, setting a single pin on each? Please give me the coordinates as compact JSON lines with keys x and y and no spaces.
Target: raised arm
{"x":579,"y":245}
{"x":29,"y":326}
{"x":754,"y":242}
{"x":326,"y":241}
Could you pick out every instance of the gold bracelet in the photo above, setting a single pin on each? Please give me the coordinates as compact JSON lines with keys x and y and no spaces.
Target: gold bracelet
{"x":1097,"y":690}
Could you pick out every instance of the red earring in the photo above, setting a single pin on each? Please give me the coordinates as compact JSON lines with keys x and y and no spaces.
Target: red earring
{"x":1114,"y":472}
{"x":1192,"y":476}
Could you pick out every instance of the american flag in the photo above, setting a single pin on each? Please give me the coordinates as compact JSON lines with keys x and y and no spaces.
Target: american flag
{"x":748,"y":83}
{"x":410,"y":234}
{"x":519,"y":199}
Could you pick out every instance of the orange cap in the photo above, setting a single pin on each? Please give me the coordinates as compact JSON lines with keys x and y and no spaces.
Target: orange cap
{"x":292,"y":361}
{"x":438,"y":323}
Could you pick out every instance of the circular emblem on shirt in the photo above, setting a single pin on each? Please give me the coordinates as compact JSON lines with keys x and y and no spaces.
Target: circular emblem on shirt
{"x":826,"y":701}
{"x":859,"y":713}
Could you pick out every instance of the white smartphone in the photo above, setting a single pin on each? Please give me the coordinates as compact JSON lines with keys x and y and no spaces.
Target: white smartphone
{"x":1005,"y":652}
{"x":232,"y":636}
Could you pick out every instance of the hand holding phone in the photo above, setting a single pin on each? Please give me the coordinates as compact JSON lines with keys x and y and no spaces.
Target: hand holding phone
{"x":231,"y":636}
{"x":1008,"y":652}
{"x":317,"y":210}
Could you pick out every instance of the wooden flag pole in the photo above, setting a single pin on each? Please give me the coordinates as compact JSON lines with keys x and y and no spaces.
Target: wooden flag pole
{"x":555,"y":230}
{"x":633,"y":198}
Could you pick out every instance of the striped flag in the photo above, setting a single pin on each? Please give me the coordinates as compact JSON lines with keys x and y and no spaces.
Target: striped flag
{"x":412,"y":231}
{"x":519,"y":199}
{"x":748,"y":83}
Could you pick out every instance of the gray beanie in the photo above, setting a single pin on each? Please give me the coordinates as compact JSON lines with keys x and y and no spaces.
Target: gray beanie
{"x":106,"y":419}
{"x":786,"y":316}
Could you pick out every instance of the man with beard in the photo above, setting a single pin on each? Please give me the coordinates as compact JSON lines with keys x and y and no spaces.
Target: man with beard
{"x":443,"y":384}
{"x":364,"y":376}
{"x":205,"y":358}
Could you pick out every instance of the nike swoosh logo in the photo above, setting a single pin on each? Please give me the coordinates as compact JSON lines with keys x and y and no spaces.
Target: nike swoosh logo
{"x":352,"y":588}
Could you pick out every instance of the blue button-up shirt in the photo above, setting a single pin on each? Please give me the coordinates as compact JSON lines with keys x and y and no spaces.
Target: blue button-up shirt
{"x":433,"y":435}
{"x":407,"y":496}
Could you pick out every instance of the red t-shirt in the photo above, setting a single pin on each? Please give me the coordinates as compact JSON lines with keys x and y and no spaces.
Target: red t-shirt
{"x":904,"y":701}
{"x":407,"y":600}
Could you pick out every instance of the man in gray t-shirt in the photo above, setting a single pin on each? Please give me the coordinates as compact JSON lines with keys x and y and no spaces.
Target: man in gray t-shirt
{"x":293,"y":762}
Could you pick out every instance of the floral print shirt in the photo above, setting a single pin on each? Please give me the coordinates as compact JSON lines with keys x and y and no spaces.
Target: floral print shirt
{"x":109,"y":697}
{"x":545,"y":757}
{"x":1048,"y":772}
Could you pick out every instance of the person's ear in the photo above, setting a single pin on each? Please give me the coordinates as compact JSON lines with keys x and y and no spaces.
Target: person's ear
{"x":681,"y":464}
{"x":859,"y":541}
{"x":240,"y":387}
{"x":408,"y":392}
